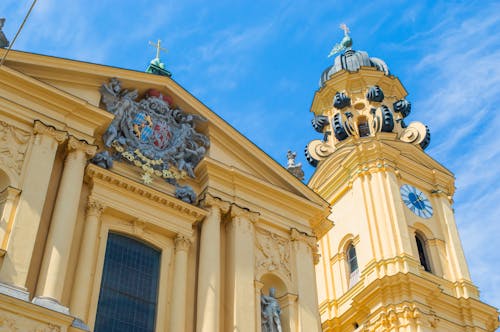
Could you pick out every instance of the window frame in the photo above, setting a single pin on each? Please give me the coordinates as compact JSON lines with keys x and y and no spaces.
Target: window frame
{"x":162,"y":243}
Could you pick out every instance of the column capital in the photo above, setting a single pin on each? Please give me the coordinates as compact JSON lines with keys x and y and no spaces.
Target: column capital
{"x":75,"y":144}
{"x":40,"y":128}
{"x":309,"y":240}
{"x":182,"y":243}
{"x":238,"y":212}
{"x":211,"y":201}
{"x":94,"y":207}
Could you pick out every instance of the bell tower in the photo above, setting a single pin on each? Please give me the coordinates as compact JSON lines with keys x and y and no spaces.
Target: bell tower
{"x":393,"y":260}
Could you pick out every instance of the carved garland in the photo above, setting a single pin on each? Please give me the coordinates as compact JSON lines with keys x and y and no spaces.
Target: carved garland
{"x":273,"y":253}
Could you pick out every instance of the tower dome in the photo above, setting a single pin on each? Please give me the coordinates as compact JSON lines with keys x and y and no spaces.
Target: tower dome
{"x":352,"y":60}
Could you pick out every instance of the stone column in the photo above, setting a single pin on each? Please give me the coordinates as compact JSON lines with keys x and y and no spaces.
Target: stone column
{"x":178,"y":302}
{"x":14,"y":271}
{"x":60,"y":237}
{"x":208,"y":298}
{"x":305,"y":250}
{"x":85,"y":270}
{"x":240,"y":270}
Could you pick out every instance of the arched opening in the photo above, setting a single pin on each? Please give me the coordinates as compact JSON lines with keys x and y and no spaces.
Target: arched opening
{"x":352,"y":264}
{"x":129,"y":286}
{"x":363,"y":127}
{"x":422,"y":251}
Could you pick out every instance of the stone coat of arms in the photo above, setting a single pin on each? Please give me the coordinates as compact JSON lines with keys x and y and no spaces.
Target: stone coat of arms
{"x":152,"y":135}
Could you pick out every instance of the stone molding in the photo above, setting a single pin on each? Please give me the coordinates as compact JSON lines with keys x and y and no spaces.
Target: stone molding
{"x":39,"y":128}
{"x":238,"y":212}
{"x":212,"y":201}
{"x":309,"y":240}
{"x":75,"y":144}
{"x":182,"y":243}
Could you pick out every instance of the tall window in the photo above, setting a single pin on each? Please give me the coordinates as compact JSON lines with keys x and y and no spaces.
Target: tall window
{"x":422,"y":253}
{"x":352,"y":263}
{"x":129,"y":286}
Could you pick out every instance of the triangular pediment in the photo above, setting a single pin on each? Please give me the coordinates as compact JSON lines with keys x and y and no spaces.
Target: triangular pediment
{"x":81,"y":81}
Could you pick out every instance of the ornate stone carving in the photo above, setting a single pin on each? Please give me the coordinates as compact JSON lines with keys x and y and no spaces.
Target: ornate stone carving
{"x":103,"y":159}
{"x":47,"y":328}
{"x":272,"y":254}
{"x":375,"y":93}
{"x":416,"y":133}
{"x":13,"y":145}
{"x":292,"y":167}
{"x":94,"y":207}
{"x":319,"y":122}
{"x":402,"y":106}
{"x":8,"y":324}
{"x":318,"y":150}
{"x":185,"y":194}
{"x":151,"y":134}
{"x":341,"y":100}
{"x":39,"y":128}
{"x":182,"y":243}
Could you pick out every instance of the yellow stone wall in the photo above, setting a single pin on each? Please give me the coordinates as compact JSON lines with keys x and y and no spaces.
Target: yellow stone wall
{"x":361,"y":179}
{"x":252,"y":229}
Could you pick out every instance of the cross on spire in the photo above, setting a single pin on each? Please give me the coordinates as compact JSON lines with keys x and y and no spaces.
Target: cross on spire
{"x":158,"y":47}
{"x":344,"y":27}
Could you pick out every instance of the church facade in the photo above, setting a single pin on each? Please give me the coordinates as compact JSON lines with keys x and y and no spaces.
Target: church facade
{"x":128,"y":205}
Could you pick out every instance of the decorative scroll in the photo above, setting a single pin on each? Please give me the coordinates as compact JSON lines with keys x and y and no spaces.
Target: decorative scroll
{"x":273,"y":253}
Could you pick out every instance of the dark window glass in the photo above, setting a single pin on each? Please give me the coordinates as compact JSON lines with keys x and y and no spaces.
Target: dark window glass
{"x":351,"y":259}
{"x":421,"y":253}
{"x":129,"y":286}
{"x":363,"y":127}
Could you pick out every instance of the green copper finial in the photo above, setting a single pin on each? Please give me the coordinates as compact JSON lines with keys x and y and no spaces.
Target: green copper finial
{"x":156,"y":66}
{"x":345,"y":44}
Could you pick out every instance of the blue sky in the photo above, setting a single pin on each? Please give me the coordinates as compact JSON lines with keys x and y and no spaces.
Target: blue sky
{"x":257,"y":65}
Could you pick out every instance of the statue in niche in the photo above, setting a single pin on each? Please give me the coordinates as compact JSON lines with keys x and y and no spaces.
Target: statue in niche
{"x":270,"y":312}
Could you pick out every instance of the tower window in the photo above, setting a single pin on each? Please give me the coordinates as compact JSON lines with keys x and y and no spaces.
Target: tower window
{"x":129,"y":286}
{"x":363,"y":128}
{"x":422,"y":254}
{"x":352,"y":263}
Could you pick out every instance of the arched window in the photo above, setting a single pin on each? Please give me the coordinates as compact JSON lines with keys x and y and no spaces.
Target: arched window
{"x":422,"y":252}
{"x":352,"y":263}
{"x":129,"y":286}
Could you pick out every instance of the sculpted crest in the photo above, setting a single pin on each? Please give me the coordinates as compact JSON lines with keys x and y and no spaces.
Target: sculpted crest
{"x":151,"y":134}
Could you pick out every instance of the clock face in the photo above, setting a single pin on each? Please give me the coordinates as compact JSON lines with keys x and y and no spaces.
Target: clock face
{"x":416,"y":201}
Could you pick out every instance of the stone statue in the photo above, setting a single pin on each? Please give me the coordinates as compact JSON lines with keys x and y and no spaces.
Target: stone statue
{"x":270,"y":312}
{"x":3,"y":40}
{"x":292,"y":167}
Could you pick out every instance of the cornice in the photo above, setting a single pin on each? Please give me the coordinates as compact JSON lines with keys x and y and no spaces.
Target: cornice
{"x":238,"y":212}
{"x":53,"y":106}
{"x":360,"y":158}
{"x":96,"y":173}
{"x":209,"y":201}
